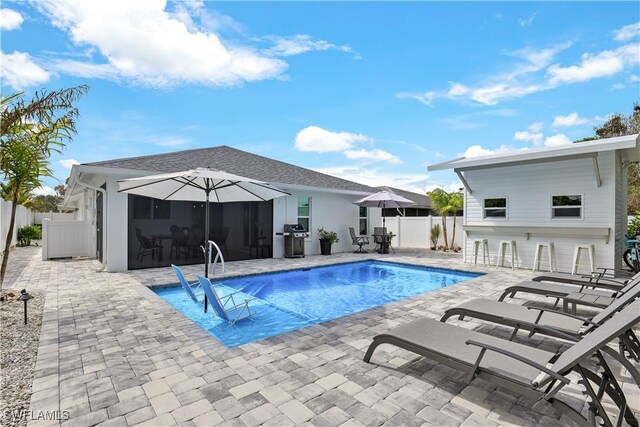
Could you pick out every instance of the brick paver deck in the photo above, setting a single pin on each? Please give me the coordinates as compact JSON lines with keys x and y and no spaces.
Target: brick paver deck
{"x":113,"y":353}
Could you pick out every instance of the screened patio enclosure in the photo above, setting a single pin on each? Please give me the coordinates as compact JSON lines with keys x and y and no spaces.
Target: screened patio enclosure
{"x":162,"y":232}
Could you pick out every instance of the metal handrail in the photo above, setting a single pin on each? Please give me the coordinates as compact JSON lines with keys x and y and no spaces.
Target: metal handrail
{"x":219,"y":256}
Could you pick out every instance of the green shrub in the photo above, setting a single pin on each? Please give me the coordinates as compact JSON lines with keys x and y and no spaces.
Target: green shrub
{"x":331,"y":236}
{"x":434,"y":236}
{"x":28,"y":233}
{"x":633,"y":228}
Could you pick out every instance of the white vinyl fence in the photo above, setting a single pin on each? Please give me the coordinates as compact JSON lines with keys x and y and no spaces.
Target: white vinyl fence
{"x":414,"y":231}
{"x":23,"y":217}
{"x":55,"y":216}
{"x":64,"y":239}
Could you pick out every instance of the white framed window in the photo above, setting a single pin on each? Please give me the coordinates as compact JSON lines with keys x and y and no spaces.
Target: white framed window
{"x":566,"y":206}
{"x":495,"y":207}
{"x":304,"y":212}
{"x":363,"y":221}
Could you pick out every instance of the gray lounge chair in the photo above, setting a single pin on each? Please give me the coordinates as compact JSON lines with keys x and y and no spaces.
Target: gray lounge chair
{"x":358,"y":240}
{"x":553,"y":323}
{"x":577,"y":279}
{"x":560,"y":291}
{"x":525,"y":370}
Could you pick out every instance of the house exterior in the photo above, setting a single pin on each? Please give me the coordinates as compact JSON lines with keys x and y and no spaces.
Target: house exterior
{"x":120,"y":224}
{"x":568,"y":195}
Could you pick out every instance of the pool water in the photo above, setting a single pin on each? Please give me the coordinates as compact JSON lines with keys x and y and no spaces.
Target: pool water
{"x":290,"y":300}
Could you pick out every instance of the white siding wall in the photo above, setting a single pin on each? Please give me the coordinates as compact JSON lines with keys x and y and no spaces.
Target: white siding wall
{"x":528,"y":189}
{"x":334,"y":212}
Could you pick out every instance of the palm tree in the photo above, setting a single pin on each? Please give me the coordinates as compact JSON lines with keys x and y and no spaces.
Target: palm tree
{"x":29,"y":133}
{"x":441,"y":203}
{"x":456,"y":201}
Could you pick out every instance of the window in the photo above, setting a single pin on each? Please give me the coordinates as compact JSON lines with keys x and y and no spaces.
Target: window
{"x":161,"y":209}
{"x":141,"y":207}
{"x":495,"y":208}
{"x":304,"y":212}
{"x":566,"y":206}
{"x":147,"y":208}
{"x":364,"y":215}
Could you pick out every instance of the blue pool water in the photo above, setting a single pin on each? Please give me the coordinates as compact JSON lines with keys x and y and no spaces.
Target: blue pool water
{"x":294,"y":299}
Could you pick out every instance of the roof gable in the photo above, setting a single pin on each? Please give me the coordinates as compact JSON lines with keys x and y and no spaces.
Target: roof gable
{"x":238,"y":162}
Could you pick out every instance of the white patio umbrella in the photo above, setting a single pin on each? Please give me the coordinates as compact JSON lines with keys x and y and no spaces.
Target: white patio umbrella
{"x":201,"y":185}
{"x":384,"y":199}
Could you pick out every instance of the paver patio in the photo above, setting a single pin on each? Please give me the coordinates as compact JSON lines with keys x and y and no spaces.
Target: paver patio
{"x":113,"y":353}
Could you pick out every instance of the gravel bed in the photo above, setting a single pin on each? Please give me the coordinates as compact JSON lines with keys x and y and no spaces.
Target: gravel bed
{"x":18,"y":353}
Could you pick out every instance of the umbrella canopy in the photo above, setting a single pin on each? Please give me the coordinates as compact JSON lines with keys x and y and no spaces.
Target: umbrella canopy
{"x":385,"y":199}
{"x":201,"y":185}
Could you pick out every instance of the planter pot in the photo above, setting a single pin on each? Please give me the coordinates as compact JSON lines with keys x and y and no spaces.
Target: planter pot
{"x":325,"y":247}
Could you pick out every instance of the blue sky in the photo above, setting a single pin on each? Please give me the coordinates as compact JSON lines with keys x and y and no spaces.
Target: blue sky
{"x":371,"y":92}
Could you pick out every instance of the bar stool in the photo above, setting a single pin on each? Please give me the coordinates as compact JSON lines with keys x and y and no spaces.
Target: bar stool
{"x":576,"y":257}
{"x":551,"y":253}
{"x":513,"y":249}
{"x":485,"y":251}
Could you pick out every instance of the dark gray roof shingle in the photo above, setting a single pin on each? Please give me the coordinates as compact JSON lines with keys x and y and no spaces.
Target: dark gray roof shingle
{"x":237,"y":162}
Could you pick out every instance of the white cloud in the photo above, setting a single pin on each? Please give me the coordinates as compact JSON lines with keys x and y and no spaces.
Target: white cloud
{"x":19,"y":71}
{"x":375,"y":155}
{"x":376,"y":177}
{"x":316,"y":139}
{"x":478,"y":150}
{"x":523,"y":135}
{"x":10,"y":19}
{"x":68,"y":163}
{"x":144,"y":44}
{"x":525,"y":22}
{"x":535,"y":127}
{"x":474,"y":120}
{"x":602,"y":64}
{"x":571,"y":119}
{"x":452,"y":187}
{"x":168,"y":140}
{"x":556,"y":140}
{"x":43,"y":191}
{"x":627,"y":32}
{"x":425,"y":98}
{"x":301,"y":43}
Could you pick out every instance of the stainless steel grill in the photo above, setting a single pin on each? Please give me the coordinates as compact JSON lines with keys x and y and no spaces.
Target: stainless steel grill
{"x":294,"y":235}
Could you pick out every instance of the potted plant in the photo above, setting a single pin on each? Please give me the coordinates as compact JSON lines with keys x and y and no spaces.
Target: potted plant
{"x":327,"y":238}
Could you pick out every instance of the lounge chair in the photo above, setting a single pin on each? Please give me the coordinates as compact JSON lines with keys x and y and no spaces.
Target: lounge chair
{"x":535,"y":373}
{"x":600,"y":277}
{"x":560,"y":291}
{"x":188,"y":288}
{"x":225,"y":307}
{"x":358,"y":240}
{"x":553,"y":323}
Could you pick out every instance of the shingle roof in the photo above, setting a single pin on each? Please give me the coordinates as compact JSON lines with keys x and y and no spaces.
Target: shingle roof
{"x":422,"y":200}
{"x":237,"y":162}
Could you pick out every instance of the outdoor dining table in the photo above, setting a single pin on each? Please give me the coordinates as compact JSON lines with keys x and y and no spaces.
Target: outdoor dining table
{"x":385,"y":242}
{"x":159,"y":238}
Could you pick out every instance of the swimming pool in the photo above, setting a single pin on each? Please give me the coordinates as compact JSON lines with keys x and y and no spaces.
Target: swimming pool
{"x":293,"y":299}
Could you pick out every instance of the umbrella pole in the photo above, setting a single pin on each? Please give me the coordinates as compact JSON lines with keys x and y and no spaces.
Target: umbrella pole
{"x":206,"y":245}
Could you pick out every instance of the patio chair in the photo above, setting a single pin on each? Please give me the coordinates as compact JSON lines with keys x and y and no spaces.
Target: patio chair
{"x":601,"y":277}
{"x":188,"y":288}
{"x":195,"y":240}
{"x":226,"y":307}
{"x":358,"y":240}
{"x":147,"y":246}
{"x":535,"y":373}
{"x":554,"y":323}
{"x":598,"y":296}
{"x":179,"y":238}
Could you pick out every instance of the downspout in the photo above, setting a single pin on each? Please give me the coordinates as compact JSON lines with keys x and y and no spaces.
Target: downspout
{"x":104,"y":218}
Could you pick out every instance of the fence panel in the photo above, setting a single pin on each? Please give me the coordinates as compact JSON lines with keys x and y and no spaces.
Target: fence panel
{"x":414,"y":232}
{"x":24,"y":217}
{"x":62,"y":239}
{"x":55,"y":216}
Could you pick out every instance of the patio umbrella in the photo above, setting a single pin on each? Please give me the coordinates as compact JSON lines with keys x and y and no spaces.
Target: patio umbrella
{"x":385,"y":199}
{"x":201,"y":185}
